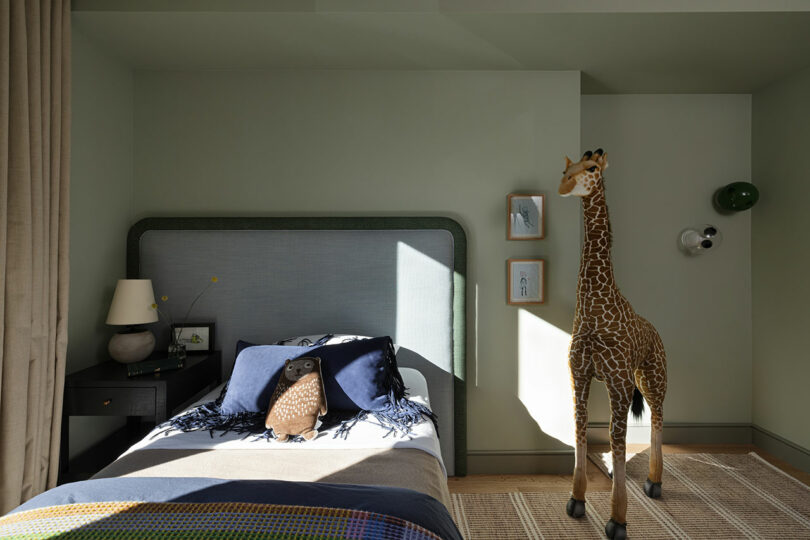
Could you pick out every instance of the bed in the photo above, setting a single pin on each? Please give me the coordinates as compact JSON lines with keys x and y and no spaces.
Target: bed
{"x":367,"y":456}
{"x":281,"y":277}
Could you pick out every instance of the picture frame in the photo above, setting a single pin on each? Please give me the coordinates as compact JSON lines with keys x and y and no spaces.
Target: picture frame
{"x":197,"y":337}
{"x":525,"y":282}
{"x":526,"y":216}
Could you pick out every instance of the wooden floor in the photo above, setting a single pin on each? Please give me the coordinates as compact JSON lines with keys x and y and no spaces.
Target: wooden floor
{"x":598,"y":481}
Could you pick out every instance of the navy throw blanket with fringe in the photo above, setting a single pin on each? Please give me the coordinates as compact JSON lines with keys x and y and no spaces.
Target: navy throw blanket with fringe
{"x":362,"y":375}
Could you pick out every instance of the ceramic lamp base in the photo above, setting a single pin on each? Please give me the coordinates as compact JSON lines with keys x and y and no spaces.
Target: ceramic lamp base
{"x":128,"y":347}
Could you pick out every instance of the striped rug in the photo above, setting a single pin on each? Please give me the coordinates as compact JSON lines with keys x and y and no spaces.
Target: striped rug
{"x":716,"y":496}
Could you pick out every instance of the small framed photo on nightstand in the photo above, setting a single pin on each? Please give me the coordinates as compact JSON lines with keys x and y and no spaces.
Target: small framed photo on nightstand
{"x":526,"y":279}
{"x":197,"y":337}
{"x":525,"y":213}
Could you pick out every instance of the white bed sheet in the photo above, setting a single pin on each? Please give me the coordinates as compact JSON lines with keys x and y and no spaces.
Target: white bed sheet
{"x":365,"y":434}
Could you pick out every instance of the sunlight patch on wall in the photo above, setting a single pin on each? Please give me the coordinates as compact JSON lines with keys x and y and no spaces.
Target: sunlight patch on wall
{"x":639,"y":431}
{"x":544,"y":384}
{"x":419,"y":279}
{"x":475,"y":333}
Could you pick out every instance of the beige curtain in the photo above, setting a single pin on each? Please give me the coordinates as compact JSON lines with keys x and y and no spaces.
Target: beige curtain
{"x":34,"y":174}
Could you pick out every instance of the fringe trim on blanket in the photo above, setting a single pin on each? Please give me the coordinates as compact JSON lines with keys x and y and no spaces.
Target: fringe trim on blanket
{"x":398,"y":418}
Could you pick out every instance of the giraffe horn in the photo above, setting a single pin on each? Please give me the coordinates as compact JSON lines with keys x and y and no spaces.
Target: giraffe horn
{"x":587,"y":155}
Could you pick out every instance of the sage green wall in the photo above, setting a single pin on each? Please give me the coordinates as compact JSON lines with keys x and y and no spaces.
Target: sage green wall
{"x":382,"y":143}
{"x":448,"y":143}
{"x":455,"y":143}
{"x":101,"y":209}
{"x":668,"y":154}
{"x":781,"y":258}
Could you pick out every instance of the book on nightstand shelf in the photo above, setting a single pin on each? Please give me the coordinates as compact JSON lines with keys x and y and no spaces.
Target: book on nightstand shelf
{"x":153,"y":365}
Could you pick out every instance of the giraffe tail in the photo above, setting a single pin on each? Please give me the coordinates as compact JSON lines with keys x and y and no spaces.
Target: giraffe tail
{"x":637,"y":407}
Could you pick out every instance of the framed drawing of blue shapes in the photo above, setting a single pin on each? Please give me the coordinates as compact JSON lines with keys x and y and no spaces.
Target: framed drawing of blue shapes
{"x":525,"y":278}
{"x":526,"y":216}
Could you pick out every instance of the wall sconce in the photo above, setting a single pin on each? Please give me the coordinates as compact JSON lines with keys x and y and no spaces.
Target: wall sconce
{"x":735,"y":197}
{"x":700,"y":239}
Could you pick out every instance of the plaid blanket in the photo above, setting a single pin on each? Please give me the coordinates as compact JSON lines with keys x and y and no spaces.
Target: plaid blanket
{"x":168,"y":520}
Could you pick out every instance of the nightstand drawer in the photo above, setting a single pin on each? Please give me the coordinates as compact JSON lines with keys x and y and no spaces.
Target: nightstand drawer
{"x":110,"y":401}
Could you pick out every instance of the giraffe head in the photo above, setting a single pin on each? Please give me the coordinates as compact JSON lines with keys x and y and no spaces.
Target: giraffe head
{"x":580,"y":178}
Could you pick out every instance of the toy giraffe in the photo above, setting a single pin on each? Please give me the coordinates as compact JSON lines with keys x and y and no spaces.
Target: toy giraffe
{"x":613,"y":344}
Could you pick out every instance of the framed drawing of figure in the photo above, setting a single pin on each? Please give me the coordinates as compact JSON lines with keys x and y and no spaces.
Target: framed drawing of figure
{"x":525,"y":279}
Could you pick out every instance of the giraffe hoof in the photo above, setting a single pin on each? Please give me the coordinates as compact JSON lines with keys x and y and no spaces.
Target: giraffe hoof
{"x":652,"y":489}
{"x":616,"y":531}
{"x":575,"y":508}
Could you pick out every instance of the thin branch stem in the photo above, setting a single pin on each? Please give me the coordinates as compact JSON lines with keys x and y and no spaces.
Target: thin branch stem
{"x":190,"y":307}
{"x":202,"y":292}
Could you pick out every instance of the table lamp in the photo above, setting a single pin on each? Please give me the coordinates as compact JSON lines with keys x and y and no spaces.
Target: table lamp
{"x":131,"y":306}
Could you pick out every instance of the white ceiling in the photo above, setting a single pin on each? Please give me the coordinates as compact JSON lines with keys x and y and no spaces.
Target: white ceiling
{"x":726,"y":46}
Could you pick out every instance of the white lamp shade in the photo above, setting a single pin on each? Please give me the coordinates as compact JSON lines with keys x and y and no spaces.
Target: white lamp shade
{"x":132,"y":303}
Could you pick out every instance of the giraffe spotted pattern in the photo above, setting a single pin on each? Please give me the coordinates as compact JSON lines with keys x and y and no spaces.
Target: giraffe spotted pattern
{"x":610,"y":343}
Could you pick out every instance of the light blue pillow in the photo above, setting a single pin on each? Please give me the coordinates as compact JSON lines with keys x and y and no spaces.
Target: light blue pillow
{"x":255,"y":376}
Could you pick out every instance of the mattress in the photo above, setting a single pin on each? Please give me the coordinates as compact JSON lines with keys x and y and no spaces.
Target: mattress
{"x":370,"y":455}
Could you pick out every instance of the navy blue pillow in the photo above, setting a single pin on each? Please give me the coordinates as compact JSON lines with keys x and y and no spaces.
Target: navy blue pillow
{"x":255,"y":376}
{"x":241,"y":346}
{"x":360,"y":375}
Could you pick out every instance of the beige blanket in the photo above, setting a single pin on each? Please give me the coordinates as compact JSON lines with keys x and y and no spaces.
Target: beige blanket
{"x":398,"y":467}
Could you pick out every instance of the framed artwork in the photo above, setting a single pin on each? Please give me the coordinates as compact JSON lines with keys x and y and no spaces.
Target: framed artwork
{"x":526,"y":278}
{"x":526,"y":214}
{"x":197,"y":337}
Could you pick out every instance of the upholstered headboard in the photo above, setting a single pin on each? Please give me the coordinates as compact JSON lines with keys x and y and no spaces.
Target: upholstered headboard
{"x":283,"y":277}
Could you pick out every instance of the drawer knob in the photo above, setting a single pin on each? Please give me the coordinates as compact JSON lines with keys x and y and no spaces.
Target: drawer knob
{"x":107,"y":402}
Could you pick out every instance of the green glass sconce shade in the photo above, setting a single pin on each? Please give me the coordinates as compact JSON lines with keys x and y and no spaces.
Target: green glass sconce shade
{"x":735,"y":197}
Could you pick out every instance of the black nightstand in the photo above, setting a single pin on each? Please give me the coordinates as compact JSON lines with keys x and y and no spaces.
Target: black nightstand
{"x":146,"y":400}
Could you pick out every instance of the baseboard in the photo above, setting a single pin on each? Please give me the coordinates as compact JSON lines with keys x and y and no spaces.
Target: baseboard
{"x":562,"y":461}
{"x":520,"y":461}
{"x":678,"y":433}
{"x":782,"y":448}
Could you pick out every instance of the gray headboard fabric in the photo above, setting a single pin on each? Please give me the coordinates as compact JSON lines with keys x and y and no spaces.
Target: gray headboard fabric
{"x":282,"y":277}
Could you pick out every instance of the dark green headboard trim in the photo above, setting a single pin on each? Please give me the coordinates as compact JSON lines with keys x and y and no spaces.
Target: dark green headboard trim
{"x":349,"y":224}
